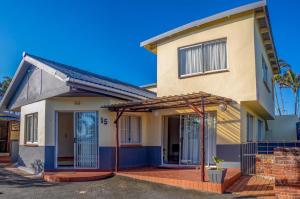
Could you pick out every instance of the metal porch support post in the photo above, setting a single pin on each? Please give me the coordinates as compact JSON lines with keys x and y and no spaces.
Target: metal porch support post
{"x":202,"y":133}
{"x":117,"y":143}
{"x":117,"y":152}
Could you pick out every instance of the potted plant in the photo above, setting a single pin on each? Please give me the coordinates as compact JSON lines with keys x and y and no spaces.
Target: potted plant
{"x":217,"y":174}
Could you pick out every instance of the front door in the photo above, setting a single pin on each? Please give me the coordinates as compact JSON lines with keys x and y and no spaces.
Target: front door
{"x":4,"y":137}
{"x":86,"y":140}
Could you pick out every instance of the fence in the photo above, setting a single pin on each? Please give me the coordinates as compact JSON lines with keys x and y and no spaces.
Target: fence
{"x":250,"y":149}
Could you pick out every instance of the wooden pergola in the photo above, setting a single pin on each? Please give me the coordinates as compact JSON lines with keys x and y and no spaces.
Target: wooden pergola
{"x":196,"y":101}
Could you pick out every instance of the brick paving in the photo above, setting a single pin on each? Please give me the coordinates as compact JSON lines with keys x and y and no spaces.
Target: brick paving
{"x":183,"y":178}
{"x":253,"y":186}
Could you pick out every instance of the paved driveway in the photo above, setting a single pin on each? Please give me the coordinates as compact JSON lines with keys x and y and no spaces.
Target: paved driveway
{"x":16,"y":186}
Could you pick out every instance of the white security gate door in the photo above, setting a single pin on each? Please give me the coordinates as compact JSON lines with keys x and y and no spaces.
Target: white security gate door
{"x":86,"y":139}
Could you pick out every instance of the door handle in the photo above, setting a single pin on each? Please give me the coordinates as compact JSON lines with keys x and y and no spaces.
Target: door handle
{"x":75,"y":140}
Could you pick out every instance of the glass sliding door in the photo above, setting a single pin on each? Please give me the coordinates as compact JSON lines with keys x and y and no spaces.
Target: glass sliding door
{"x":86,"y":140}
{"x":191,"y":138}
{"x":210,"y":137}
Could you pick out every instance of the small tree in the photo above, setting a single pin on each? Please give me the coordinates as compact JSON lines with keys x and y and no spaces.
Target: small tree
{"x":290,"y":80}
{"x":4,"y":85}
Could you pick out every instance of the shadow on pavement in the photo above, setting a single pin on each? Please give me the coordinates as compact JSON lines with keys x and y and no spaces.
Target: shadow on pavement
{"x":12,"y":179}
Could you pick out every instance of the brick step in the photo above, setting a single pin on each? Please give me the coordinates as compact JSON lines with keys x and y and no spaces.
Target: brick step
{"x":75,"y":176}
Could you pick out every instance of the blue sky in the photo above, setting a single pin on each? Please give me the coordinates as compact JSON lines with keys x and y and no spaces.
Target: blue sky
{"x":104,"y":36}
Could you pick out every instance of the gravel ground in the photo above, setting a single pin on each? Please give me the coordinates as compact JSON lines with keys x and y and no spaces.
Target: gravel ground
{"x":16,"y":186}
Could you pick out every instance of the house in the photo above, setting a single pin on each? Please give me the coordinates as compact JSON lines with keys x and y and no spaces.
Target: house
{"x":9,"y":135}
{"x":219,"y":67}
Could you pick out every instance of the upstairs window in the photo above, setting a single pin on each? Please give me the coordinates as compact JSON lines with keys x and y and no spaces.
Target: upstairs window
{"x":31,"y":128}
{"x":130,"y":128}
{"x":203,"y":57}
{"x":265,"y":73}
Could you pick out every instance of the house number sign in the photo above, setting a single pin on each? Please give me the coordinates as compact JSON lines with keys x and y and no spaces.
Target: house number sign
{"x":104,"y":121}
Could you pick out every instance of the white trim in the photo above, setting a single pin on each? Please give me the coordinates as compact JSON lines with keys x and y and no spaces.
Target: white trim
{"x":205,"y":73}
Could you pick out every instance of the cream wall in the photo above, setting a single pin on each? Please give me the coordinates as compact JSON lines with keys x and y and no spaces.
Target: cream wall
{"x":244,"y":111}
{"x":81,"y":104}
{"x":238,"y":83}
{"x":265,"y":97}
{"x":228,"y":124}
{"x":106,"y":132}
{"x":37,"y":107}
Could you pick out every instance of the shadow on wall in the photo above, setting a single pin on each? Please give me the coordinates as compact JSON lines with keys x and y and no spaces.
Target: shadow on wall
{"x":228,"y":126}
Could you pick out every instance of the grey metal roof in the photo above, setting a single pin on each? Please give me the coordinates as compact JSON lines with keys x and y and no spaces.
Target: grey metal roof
{"x":76,"y":79}
{"x":73,"y":73}
{"x":199,"y":22}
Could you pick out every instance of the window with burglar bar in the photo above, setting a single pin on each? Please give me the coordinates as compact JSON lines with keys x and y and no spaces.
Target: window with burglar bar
{"x":130,"y":129}
{"x":31,"y":128}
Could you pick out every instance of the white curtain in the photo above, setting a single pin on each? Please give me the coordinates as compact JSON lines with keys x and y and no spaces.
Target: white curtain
{"x":135,"y":130}
{"x":130,"y":129}
{"x":210,"y":137}
{"x":191,"y":139}
{"x":204,"y":57}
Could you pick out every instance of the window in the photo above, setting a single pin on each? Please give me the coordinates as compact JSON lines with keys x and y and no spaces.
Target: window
{"x":249,"y":128}
{"x":130,"y":130}
{"x":260,"y":136}
{"x":265,"y":73}
{"x":203,"y":57}
{"x":31,"y":128}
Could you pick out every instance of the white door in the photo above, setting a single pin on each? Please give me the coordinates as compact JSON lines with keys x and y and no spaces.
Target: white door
{"x":86,"y":139}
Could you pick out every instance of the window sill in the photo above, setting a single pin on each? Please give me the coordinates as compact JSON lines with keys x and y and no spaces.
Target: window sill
{"x":205,"y":73}
{"x":31,"y":145}
{"x":131,"y":145}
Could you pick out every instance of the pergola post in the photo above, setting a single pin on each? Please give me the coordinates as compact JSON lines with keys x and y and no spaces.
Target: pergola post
{"x":201,"y":114}
{"x":202,"y":133}
{"x":117,"y":152}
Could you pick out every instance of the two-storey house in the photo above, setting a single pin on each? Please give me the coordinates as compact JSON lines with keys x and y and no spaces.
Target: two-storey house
{"x":213,"y":92}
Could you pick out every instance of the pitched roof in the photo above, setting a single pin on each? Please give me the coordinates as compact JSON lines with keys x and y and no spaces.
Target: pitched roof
{"x":72,"y":73}
{"x":74,"y":78}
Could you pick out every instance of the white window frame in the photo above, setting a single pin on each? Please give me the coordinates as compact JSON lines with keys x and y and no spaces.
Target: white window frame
{"x":34,"y":134}
{"x":139,"y":130}
{"x":260,"y":125}
{"x":205,"y":72}
{"x":265,"y":72}
{"x":250,"y":137}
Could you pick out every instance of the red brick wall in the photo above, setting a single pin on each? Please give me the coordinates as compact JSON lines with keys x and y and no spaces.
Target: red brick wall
{"x":264,"y":163}
{"x":286,"y":170}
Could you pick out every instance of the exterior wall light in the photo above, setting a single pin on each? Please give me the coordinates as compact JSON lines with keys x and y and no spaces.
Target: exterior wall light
{"x":223,"y":107}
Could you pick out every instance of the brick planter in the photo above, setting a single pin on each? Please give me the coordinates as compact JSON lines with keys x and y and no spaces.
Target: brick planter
{"x":264,"y":165}
{"x":286,"y":170}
